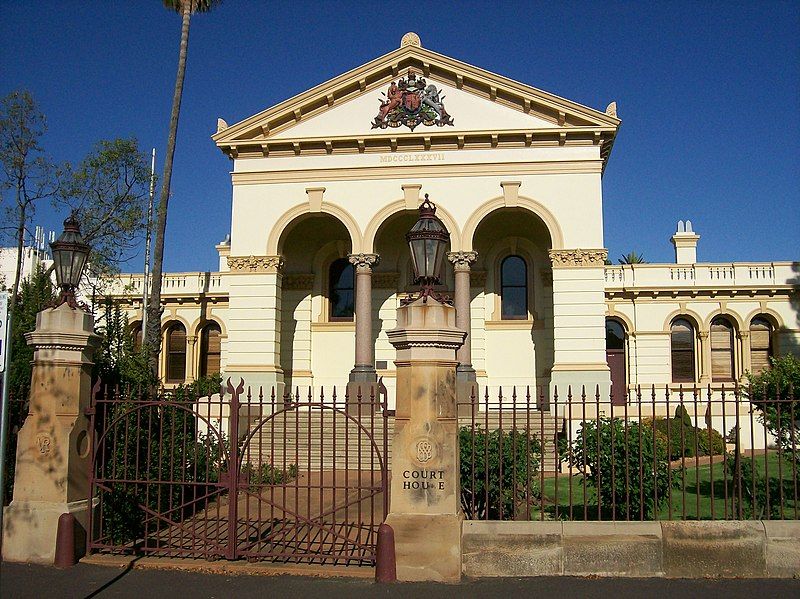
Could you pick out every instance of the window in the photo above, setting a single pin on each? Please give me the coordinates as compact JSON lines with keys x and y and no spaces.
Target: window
{"x":176,"y":353}
{"x":210,"y":349}
{"x":340,"y":290}
{"x":760,"y":344}
{"x":138,"y":335}
{"x":682,"y":351}
{"x":513,"y":289}
{"x":721,"y":349}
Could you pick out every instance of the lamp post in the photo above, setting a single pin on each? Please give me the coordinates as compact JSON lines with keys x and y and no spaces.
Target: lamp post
{"x":427,"y":241}
{"x":70,"y":253}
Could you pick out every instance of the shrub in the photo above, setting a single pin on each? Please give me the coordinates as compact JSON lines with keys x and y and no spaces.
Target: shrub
{"x":609,"y":452}
{"x":485,"y":493}
{"x":681,"y":439}
{"x":754,"y":488}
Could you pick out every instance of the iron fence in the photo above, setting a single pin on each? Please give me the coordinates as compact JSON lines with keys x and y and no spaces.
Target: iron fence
{"x":239,"y":474}
{"x":664,"y":454}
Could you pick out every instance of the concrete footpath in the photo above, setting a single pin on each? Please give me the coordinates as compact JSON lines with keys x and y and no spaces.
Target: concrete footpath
{"x":20,"y":581}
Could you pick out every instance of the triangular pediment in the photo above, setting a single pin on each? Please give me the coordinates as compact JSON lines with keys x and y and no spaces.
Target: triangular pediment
{"x":339,"y":115}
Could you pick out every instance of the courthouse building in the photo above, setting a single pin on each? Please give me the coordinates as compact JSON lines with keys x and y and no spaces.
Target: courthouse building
{"x":326,"y":184}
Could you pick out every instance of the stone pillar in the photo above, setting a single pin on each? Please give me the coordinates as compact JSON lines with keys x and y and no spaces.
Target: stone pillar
{"x":363,"y":377}
{"x":192,"y":363}
{"x":425,"y":491}
{"x":579,"y":324}
{"x":53,"y":458}
{"x":746,"y":364}
{"x":254,"y":321}
{"x":465,"y":373}
{"x":705,"y":357}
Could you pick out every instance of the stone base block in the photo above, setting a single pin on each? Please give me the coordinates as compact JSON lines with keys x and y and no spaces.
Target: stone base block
{"x":493,"y":549}
{"x":362,"y":395}
{"x":612,"y":549}
{"x":30,"y":528}
{"x":783,"y":548}
{"x":427,"y":547}
{"x":697,"y":549}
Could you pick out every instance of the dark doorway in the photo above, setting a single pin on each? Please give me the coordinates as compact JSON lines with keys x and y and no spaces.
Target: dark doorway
{"x":615,"y":358}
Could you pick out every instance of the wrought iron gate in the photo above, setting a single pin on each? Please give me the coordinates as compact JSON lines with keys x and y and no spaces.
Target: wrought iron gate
{"x":239,"y":475}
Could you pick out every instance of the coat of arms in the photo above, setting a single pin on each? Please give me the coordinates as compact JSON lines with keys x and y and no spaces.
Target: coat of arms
{"x":411,"y":102}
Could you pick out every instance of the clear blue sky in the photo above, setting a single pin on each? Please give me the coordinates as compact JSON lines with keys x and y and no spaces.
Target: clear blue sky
{"x":709,"y":95}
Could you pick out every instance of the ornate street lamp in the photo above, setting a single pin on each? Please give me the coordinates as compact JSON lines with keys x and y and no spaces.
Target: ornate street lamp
{"x":70,"y":253}
{"x":428,"y":240}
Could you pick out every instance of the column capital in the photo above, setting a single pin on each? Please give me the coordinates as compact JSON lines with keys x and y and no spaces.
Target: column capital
{"x":191,"y":339}
{"x":703,"y":335}
{"x":364,"y":262}
{"x":249,"y":264}
{"x":578,"y":257}
{"x":462,"y":260}
{"x":743,"y":334}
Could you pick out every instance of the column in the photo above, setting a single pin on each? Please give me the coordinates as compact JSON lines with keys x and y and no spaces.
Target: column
{"x":579,"y":324}
{"x":191,"y":358}
{"x":53,"y":453}
{"x":364,"y":369}
{"x":461,"y":265}
{"x":745,"y":363}
{"x":705,"y":357}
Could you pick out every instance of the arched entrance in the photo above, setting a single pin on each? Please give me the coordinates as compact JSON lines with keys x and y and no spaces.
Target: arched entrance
{"x":615,"y":358}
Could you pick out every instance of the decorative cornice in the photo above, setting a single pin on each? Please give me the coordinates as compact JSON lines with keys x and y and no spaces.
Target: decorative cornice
{"x":269,"y":264}
{"x":298,"y":282}
{"x":364,"y":262}
{"x":385,"y":280}
{"x":462,"y":260}
{"x":578,"y":257}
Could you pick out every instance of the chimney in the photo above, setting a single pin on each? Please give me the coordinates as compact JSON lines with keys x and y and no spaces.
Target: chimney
{"x":224,"y":250}
{"x":685,"y":242}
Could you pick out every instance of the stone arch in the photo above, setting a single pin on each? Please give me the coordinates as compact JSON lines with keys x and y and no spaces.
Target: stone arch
{"x":690,"y":315}
{"x":288,"y":217}
{"x":173,"y":318}
{"x":774,"y":318}
{"x":371,"y":232}
{"x":536,"y":208}
{"x":624,"y":320}
{"x":201,"y":321}
{"x":733,"y":317}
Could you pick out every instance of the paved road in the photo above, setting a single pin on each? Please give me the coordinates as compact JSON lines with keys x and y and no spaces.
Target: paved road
{"x":87,"y":581}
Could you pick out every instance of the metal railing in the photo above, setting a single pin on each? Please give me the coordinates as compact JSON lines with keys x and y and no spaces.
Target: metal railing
{"x":669,"y":454}
{"x":239,"y":474}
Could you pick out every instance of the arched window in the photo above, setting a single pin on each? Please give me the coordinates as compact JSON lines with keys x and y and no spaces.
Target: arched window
{"x":760,"y":344}
{"x":137,"y":335}
{"x":682,"y":351}
{"x":210,"y":349}
{"x":176,"y":353}
{"x":721,"y":349}
{"x":341,"y":279}
{"x":514,"y":288}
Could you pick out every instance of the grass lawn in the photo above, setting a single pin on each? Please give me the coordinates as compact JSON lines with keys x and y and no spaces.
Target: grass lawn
{"x":693,"y":498}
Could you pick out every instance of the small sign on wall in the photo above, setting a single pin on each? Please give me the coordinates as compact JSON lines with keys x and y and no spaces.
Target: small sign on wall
{"x":3,"y":328}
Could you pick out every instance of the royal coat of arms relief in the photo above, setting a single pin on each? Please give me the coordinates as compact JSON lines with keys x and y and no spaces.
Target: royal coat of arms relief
{"x":411,"y":102}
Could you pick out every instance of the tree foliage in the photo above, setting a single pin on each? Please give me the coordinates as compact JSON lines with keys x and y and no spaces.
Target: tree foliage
{"x":108,"y":192}
{"x":775,"y":393}
{"x":632,"y":258}
{"x":28,"y":175}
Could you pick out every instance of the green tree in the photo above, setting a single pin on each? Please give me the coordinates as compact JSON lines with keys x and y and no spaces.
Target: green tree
{"x":108,"y":191}
{"x":28,"y":174}
{"x":153,"y":334}
{"x":775,"y":393}
{"x":632,"y":258}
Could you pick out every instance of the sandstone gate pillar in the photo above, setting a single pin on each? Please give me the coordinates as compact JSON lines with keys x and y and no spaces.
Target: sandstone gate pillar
{"x":425,"y":510}
{"x":53,"y":453}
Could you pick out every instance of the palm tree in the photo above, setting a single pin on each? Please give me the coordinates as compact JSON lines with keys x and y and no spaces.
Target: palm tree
{"x":632,"y":258}
{"x":153,"y":334}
